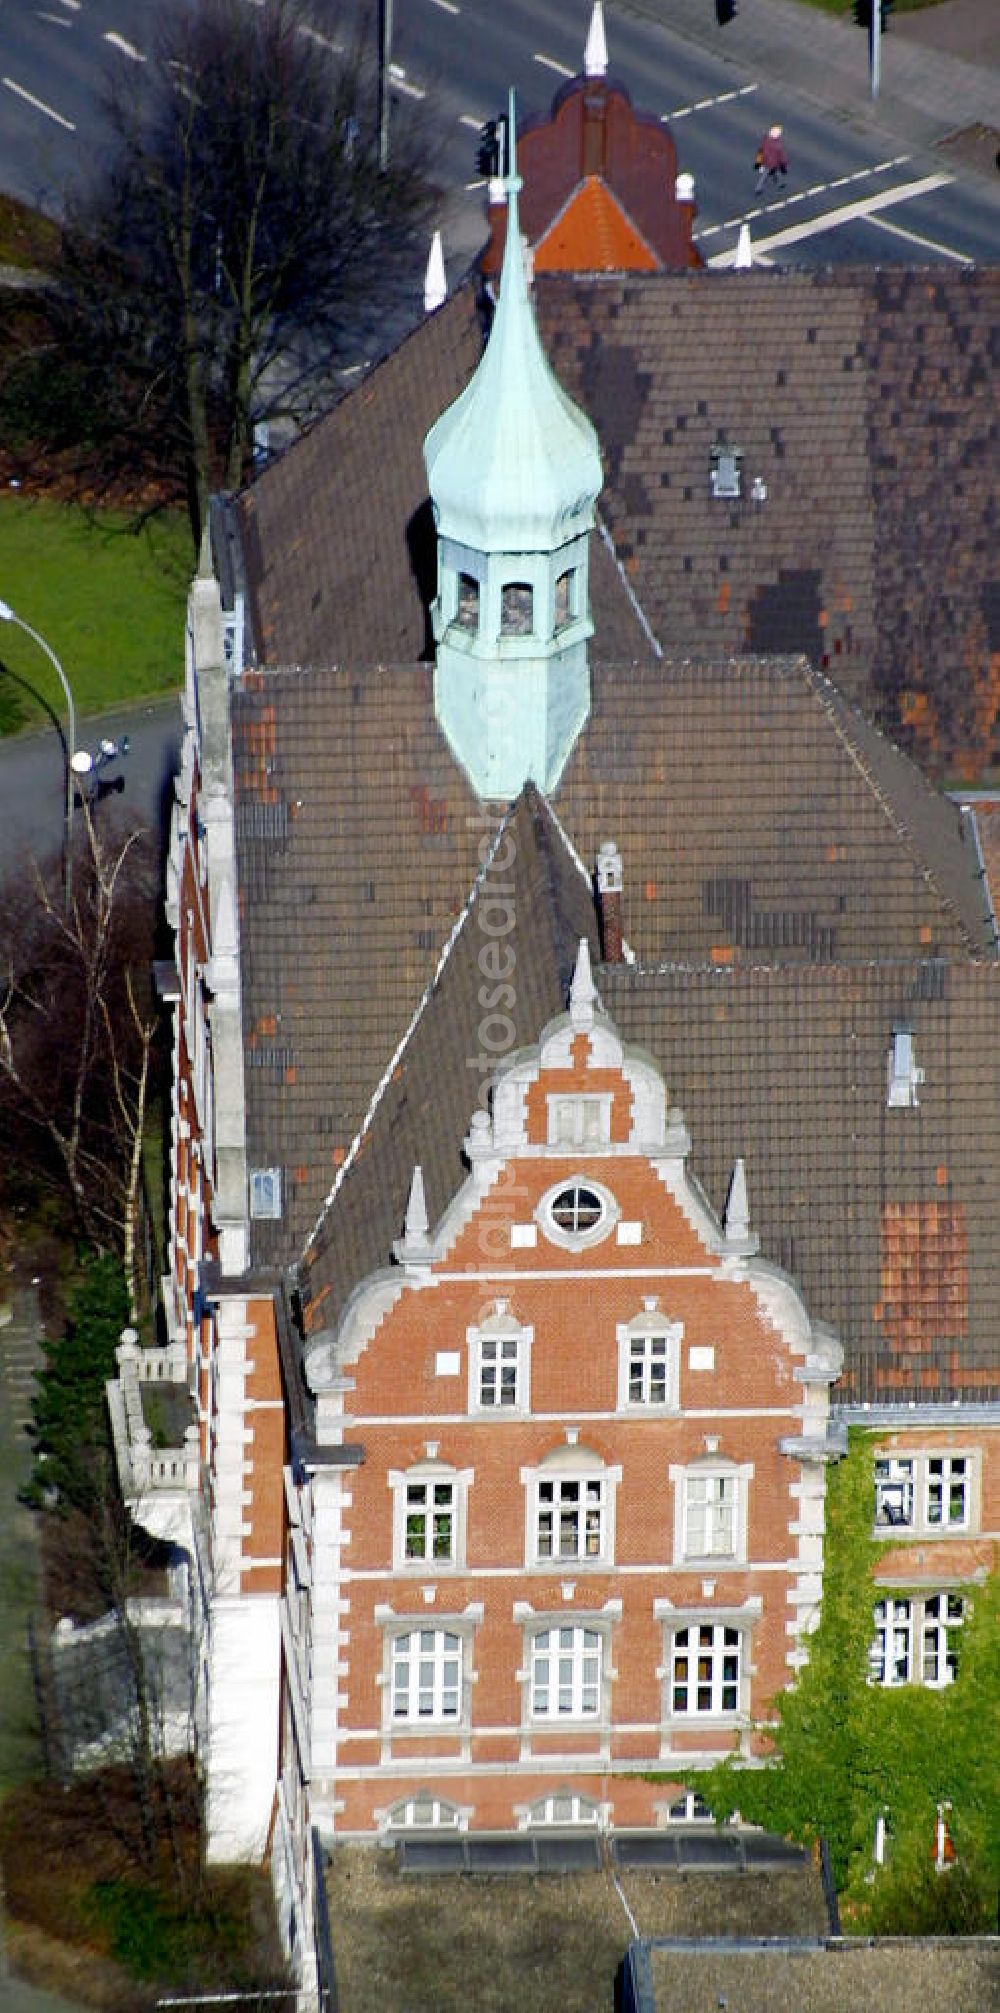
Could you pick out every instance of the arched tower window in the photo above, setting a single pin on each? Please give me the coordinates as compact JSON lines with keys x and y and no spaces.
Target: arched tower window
{"x":516,"y":609}
{"x":467,"y":613}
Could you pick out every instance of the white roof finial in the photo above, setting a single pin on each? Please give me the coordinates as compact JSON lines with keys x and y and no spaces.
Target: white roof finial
{"x":736,"y":1221}
{"x":582,"y":992}
{"x":414,"y":1247}
{"x":744,"y":250}
{"x":435,"y":280}
{"x":595,"y":55}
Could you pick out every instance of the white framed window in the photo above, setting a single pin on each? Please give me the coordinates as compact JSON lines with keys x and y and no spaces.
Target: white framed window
{"x":689,"y":1809}
{"x":265,"y":1192}
{"x":570,"y":1509}
{"x":577,"y":1213}
{"x":710,"y":1511}
{"x":706,"y":1670}
{"x":916,"y":1639}
{"x":894,"y":1497}
{"x":563,"y":1807}
{"x":924,"y":1492}
{"x":581,"y":1120}
{"x":947,"y":1492}
{"x":566,"y":1672}
{"x":570,"y":1517}
{"x":423,"y":1813}
{"x":649,"y":1361}
{"x":425,"y":1677}
{"x":429,"y":1514}
{"x":500,"y":1363}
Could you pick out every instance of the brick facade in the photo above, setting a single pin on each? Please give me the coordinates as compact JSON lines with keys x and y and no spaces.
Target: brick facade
{"x":640,"y":1503}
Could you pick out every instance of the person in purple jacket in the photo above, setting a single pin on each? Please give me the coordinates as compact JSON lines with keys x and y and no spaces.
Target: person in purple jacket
{"x":771,"y":159}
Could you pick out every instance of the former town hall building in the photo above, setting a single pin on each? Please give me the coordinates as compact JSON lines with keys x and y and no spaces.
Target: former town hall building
{"x":585,"y":1108}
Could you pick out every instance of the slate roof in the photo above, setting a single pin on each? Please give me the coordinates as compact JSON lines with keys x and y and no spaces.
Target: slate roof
{"x":864,"y":402}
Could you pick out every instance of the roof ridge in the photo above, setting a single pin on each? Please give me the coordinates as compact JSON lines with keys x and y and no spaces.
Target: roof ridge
{"x":636,"y":605}
{"x":835,"y":707}
{"x":405,"y":1039}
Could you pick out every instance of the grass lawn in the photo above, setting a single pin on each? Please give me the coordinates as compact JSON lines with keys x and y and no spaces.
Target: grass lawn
{"x":107,"y":599}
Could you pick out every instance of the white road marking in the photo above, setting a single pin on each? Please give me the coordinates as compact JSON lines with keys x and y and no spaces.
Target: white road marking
{"x":471,"y":187}
{"x":401,"y":83}
{"x":73,"y":5}
{"x":447,"y":6}
{"x":847,"y":213}
{"x":127,"y":48}
{"x":466,"y":119}
{"x":56,"y":20}
{"x":814,"y":189}
{"x":929,"y":244}
{"x":549,"y":63}
{"x":38,"y":103}
{"x":705,"y":104}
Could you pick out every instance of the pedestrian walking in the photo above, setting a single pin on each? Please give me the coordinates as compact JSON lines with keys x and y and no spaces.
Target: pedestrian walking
{"x":771,"y":160}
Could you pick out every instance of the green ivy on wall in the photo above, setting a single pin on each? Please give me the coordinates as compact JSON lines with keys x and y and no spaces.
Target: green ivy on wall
{"x":846,"y":1750}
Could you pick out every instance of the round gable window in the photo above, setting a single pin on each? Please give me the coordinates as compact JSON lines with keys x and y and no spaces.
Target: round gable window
{"x":577,"y":1213}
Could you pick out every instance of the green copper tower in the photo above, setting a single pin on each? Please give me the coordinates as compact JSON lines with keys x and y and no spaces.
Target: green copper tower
{"x":514,"y":470}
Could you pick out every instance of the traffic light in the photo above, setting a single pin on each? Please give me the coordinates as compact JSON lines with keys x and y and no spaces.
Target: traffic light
{"x":863,"y":13}
{"x":487,"y":152}
{"x":726,"y":11}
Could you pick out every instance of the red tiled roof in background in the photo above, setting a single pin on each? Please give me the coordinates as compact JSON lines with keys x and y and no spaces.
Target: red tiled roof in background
{"x":593,"y":234}
{"x":593,"y":132}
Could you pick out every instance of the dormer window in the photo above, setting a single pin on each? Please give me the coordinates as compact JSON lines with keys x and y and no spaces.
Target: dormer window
{"x":516,"y":609}
{"x":904,"y":1076}
{"x":580,"y":1120}
{"x":265,"y":1193}
{"x":467,"y":612}
{"x":726,"y":476}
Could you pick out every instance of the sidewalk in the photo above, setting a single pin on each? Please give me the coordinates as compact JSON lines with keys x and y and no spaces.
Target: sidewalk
{"x":940,"y":66}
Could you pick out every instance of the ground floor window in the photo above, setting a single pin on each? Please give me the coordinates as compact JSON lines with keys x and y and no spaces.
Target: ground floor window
{"x":563,"y":1807}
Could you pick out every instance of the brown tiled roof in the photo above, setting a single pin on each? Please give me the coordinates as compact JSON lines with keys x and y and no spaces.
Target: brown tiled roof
{"x":338,"y":533}
{"x":865,"y":403}
{"x":757,"y":825}
{"x":760,"y":818}
{"x":886,"y":1217}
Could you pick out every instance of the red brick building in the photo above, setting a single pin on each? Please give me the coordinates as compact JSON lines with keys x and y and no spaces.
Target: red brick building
{"x":584,"y":1538}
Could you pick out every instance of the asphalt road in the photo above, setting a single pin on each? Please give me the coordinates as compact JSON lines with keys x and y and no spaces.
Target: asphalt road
{"x":851,"y":198}
{"x":33,"y":780}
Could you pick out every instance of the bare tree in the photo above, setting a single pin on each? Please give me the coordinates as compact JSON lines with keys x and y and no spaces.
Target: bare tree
{"x":237,"y":230}
{"x":77,"y":1032}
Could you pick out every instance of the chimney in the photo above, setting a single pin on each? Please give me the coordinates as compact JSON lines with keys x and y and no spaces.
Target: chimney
{"x":609,"y":900}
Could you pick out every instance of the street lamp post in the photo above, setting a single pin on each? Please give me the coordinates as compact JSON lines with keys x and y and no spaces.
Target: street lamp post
{"x":7,"y":615}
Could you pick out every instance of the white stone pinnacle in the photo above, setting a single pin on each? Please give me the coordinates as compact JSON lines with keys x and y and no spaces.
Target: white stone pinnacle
{"x":595,"y":56}
{"x":416,"y":1226}
{"x":435,"y":278}
{"x":582,"y":992}
{"x":737,"y":1218}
